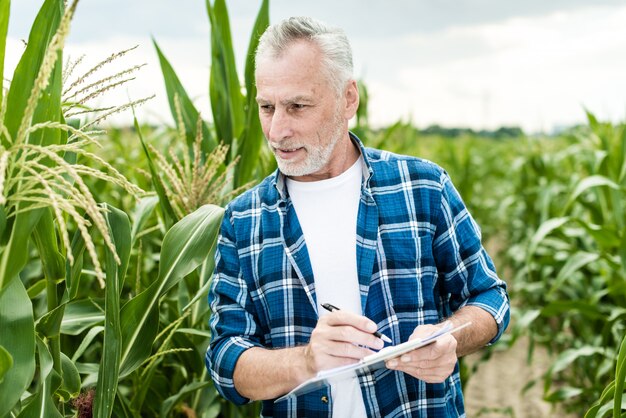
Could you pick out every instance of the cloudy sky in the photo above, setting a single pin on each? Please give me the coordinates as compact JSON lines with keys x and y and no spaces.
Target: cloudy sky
{"x":474,"y":63}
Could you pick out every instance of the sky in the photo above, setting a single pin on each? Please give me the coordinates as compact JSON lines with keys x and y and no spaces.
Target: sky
{"x":480,"y":64}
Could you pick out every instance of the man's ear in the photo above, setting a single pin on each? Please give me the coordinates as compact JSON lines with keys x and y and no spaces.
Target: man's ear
{"x":351,"y":96}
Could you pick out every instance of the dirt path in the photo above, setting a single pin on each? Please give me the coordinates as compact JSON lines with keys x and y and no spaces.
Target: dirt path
{"x":495,"y":390}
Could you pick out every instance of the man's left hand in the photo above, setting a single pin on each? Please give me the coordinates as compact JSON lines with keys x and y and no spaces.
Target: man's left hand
{"x":432,"y":363}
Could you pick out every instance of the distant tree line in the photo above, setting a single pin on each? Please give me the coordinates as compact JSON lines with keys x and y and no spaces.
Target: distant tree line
{"x":501,"y":132}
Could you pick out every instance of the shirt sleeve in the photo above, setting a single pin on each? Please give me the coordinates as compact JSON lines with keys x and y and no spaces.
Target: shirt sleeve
{"x":233,"y":325}
{"x":468,"y":273}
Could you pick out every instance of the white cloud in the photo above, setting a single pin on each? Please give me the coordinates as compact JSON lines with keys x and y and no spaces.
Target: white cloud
{"x":190,"y":62}
{"x":534,"y":72}
{"x":537,"y":72}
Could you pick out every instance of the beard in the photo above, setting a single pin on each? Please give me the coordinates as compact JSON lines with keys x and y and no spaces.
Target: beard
{"x":318,"y":154}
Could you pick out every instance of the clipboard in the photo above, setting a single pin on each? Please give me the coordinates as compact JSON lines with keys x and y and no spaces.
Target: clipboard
{"x":369,"y":363}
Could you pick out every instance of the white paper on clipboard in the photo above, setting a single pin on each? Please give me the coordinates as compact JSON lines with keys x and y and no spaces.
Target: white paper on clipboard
{"x":371,"y":362}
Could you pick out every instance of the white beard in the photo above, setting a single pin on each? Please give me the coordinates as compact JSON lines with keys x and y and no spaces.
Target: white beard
{"x":317,"y":156}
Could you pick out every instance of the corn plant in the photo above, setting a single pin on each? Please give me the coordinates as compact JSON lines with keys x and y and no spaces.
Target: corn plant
{"x":612,"y":396}
{"x":215,"y":162}
{"x":235,"y":112}
{"x":570,"y":259}
{"x":69,"y":321}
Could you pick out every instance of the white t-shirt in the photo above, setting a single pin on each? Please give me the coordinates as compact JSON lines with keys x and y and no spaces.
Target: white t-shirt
{"x":327,"y":211}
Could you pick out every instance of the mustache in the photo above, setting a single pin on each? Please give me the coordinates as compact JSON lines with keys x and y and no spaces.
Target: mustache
{"x":285,"y":145}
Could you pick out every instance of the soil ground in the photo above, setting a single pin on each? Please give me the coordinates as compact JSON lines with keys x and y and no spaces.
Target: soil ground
{"x":495,"y":389}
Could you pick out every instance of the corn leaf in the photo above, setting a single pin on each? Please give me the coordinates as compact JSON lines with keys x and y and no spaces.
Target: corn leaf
{"x":606,"y":236}
{"x":86,"y":342}
{"x":573,"y":264}
{"x":172,"y":401}
{"x":205,"y":273}
{"x":606,"y":410}
{"x":137,"y":339}
{"x":43,"y":405}
{"x":70,"y":386}
{"x":169,"y":216}
{"x":174,"y":88}
{"x":119,"y":229}
{"x":546,"y":228}
{"x":567,"y":357}
{"x":141,"y":214}
{"x":260,"y":25}
{"x":586,"y":184}
{"x":6,"y":362}
{"x":622,"y":141}
{"x":122,"y":408}
{"x":224,"y":87}
{"x":42,"y":31}
{"x":5,"y":8}
{"x":15,"y":254}
{"x":204,"y":281}
{"x":35,"y":289}
{"x":81,"y":315}
{"x":18,"y":340}
{"x":45,"y":238}
{"x":622,"y":253}
{"x":185,"y":246}
{"x":49,"y":325}
{"x":563,"y":394}
{"x":49,"y":109}
{"x":147,"y":377}
{"x":589,"y":310}
{"x":251,"y":139}
{"x":620,"y":379}
{"x":73,"y":271}
{"x":607,"y":395}
{"x":3,"y":222}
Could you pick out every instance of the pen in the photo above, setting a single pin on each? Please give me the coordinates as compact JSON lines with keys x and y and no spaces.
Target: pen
{"x":331,"y":308}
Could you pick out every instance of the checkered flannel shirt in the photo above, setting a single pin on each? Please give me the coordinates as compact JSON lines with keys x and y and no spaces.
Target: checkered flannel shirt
{"x":419,"y":259}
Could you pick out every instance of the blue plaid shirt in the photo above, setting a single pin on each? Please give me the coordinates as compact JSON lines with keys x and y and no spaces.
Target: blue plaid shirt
{"x":419,"y":259}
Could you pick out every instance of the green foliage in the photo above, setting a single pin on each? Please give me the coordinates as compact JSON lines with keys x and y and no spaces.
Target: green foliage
{"x":235,"y":111}
{"x":6,"y":362}
{"x":69,"y":322}
{"x":183,"y":110}
{"x":612,"y":398}
{"x":120,"y":307}
{"x":19,"y":113}
{"x":552,"y":214}
{"x":18,"y":341}
{"x":108,"y":373}
{"x":4,"y":26}
{"x":568,"y":235}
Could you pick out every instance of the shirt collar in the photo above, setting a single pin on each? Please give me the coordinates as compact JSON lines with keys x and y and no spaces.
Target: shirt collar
{"x":278,"y":180}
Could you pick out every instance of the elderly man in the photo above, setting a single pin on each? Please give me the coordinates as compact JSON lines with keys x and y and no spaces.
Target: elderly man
{"x":385,"y":237}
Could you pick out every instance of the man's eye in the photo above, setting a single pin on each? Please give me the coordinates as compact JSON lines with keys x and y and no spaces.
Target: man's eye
{"x":298,"y":106}
{"x":266,"y":108}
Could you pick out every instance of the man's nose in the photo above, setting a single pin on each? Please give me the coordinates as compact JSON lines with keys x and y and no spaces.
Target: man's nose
{"x":280,"y":126}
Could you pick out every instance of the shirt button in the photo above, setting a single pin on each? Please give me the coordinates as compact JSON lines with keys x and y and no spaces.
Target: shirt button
{"x":324,"y":399}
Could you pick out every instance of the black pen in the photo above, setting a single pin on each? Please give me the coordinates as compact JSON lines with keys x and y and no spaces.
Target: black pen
{"x":331,"y":308}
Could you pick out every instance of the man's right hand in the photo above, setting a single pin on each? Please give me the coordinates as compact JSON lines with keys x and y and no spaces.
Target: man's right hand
{"x":340,"y":338}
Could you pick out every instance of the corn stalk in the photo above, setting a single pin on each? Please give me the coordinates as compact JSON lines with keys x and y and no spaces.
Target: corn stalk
{"x":572,"y":263}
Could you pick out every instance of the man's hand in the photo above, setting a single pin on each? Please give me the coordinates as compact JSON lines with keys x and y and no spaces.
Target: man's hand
{"x":340,"y":338}
{"x":432,"y":363}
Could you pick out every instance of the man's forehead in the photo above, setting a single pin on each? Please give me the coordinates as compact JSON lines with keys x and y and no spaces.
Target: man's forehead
{"x":293,"y":46}
{"x":297,"y":98}
{"x":296,"y":56}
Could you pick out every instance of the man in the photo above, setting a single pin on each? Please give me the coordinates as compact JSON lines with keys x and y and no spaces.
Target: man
{"x":384,"y":237}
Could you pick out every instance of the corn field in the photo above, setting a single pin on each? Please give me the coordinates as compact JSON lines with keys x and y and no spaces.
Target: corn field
{"x":107,"y":234}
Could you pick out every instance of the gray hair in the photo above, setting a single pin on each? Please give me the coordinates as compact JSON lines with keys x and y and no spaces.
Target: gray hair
{"x":332,"y":42}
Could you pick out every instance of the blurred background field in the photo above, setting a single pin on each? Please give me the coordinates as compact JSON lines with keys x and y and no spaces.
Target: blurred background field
{"x":107,"y":232}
